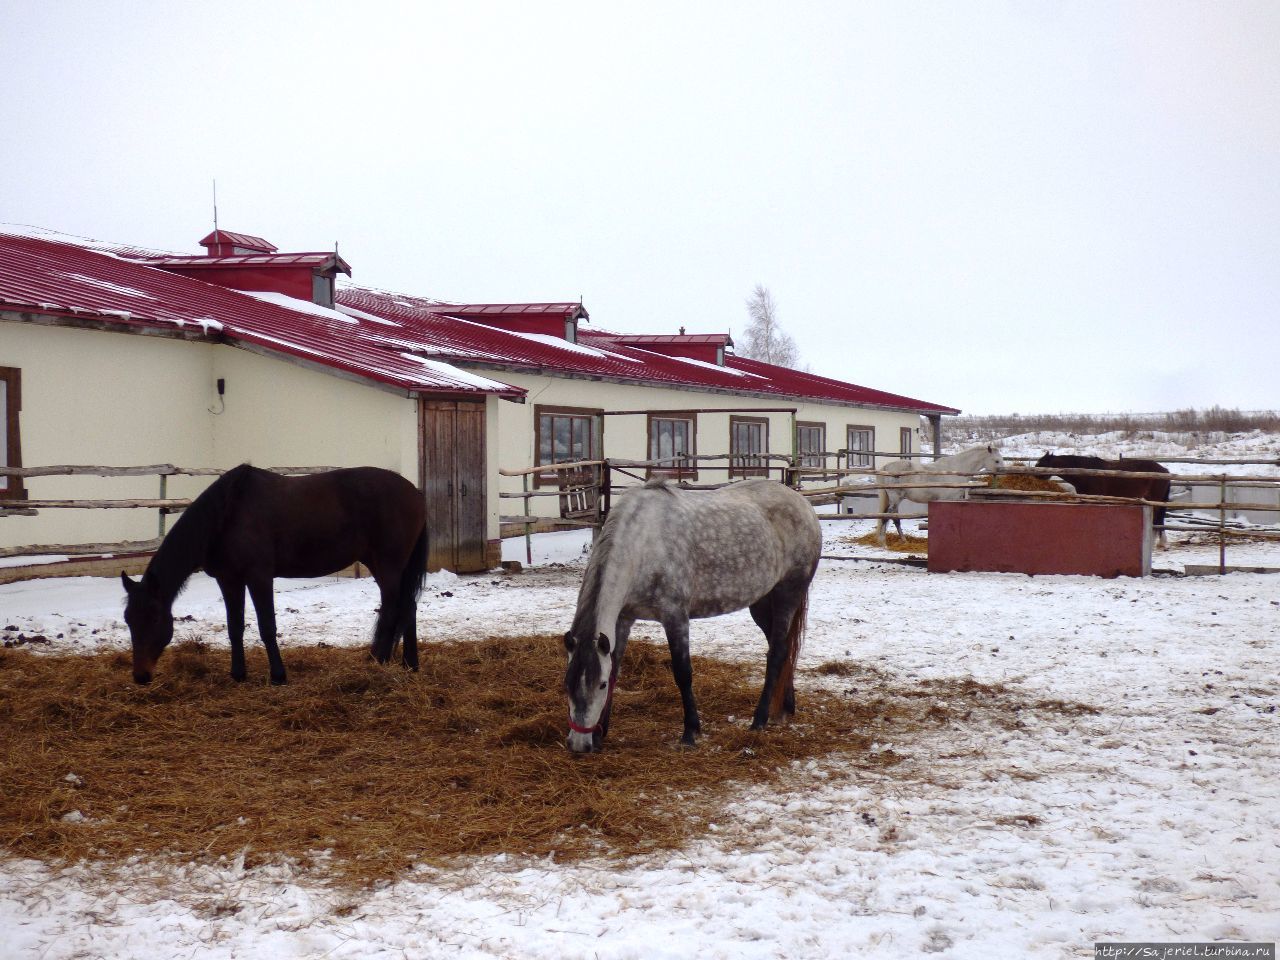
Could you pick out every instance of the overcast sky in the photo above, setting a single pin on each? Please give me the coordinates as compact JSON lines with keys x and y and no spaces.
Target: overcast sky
{"x":1022,"y":207}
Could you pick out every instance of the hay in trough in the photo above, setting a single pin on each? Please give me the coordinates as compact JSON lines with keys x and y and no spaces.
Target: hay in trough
{"x":1025,"y":481}
{"x":358,"y":772}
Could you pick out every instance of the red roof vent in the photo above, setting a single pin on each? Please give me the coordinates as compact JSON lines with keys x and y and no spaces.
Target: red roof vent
{"x":224,"y":243}
{"x":704,"y":347}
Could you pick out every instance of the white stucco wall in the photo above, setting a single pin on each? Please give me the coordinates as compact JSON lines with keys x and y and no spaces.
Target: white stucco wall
{"x":105,"y":399}
{"x":101,"y":398}
{"x":626,"y":437}
{"x":117,"y":399}
{"x":281,"y":415}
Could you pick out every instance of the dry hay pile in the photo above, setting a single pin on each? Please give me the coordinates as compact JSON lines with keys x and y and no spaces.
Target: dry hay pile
{"x":1025,"y":481}
{"x":385,"y":769}
{"x":898,"y":544}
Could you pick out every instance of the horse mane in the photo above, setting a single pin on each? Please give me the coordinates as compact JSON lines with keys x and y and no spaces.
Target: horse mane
{"x":589,"y":596}
{"x":186,"y":546}
{"x":601,"y":553}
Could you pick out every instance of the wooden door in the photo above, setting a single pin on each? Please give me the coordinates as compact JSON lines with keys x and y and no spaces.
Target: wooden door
{"x":453,"y":483}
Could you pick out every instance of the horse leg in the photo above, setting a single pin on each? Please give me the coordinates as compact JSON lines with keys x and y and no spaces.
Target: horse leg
{"x":264,"y":604}
{"x":677,"y":629}
{"x":783,"y":603}
{"x":620,"y":636}
{"x":880,"y":520}
{"x":233,"y":600}
{"x":762,"y":614}
{"x":408,"y":628}
{"x":384,"y":628}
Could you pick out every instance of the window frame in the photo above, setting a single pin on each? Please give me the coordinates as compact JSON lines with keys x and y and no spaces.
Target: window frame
{"x":866,"y":459}
{"x":737,"y":470}
{"x":676,"y":472}
{"x":904,"y":440}
{"x":595,"y":438}
{"x":12,"y":487}
{"x":812,"y":459}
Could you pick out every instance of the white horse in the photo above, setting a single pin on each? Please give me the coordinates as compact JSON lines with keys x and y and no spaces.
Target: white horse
{"x":917,"y":481}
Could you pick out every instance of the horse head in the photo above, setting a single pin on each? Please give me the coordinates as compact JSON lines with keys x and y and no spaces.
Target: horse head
{"x":1049,"y":460}
{"x":588,"y":682}
{"x":994,"y":460}
{"x":150,"y":622}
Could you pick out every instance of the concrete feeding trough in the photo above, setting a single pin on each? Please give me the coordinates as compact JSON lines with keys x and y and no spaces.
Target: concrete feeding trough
{"x":863,"y":503}
{"x":1018,"y":536}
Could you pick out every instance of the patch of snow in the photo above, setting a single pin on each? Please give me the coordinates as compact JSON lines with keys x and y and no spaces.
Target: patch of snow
{"x":255,"y":336}
{"x":561,"y":344}
{"x":702,"y":363}
{"x":301,"y":306}
{"x":363,"y":315}
{"x":108,"y":285}
{"x":458,"y":375}
{"x":1151,"y":818}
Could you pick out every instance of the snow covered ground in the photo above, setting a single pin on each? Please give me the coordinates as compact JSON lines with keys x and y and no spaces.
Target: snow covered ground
{"x":1154,"y":818}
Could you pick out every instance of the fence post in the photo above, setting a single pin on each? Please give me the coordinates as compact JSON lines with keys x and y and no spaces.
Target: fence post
{"x":164,"y":495}
{"x":1222,"y":526}
{"x":528,"y":537}
{"x":606,"y":482}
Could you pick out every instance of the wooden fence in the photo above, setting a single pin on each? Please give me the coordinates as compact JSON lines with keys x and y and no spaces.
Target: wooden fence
{"x":163,"y":504}
{"x":584,"y":490}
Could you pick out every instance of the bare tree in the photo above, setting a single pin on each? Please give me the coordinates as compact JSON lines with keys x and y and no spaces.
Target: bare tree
{"x":765,"y":339}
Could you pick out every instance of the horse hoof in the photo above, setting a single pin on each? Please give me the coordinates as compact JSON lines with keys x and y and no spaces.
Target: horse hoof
{"x":279,"y":681}
{"x":239,"y":677}
{"x":688,"y":740}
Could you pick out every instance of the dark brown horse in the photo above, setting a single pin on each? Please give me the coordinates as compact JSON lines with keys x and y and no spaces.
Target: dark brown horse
{"x":1139,"y":488}
{"x":251,"y":526}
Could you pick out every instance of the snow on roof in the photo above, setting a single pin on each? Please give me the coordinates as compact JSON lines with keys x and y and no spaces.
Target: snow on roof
{"x":48,"y":276}
{"x":379,"y":335}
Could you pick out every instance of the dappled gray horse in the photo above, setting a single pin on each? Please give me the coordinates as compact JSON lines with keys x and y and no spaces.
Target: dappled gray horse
{"x":912,"y":480}
{"x":667,"y":554}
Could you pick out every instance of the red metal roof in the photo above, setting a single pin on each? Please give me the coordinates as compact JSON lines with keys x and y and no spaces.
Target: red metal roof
{"x":413,"y":343}
{"x":239,"y":240}
{"x":254,"y":260}
{"x":42,"y":276}
{"x":642,"y":339}
{"x":600,"y":354}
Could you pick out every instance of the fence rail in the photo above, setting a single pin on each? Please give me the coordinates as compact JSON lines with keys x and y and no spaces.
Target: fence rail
{"x":584,"y":490}
{"x":164,"y":504}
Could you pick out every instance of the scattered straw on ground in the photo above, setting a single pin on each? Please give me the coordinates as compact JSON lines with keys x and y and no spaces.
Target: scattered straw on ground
{"x":898,"y":544}
{"x":385,"y":769}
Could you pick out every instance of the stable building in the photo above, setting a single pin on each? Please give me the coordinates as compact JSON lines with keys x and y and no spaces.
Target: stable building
{"x":118,"y":355}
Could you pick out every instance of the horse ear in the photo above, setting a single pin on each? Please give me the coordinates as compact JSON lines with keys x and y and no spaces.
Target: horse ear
{"x":568,"y":640}
{"x":603,"y":643}
{"x":129,"y":585}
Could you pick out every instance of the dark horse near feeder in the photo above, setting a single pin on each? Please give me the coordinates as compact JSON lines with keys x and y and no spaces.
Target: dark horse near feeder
{"x":669,"y":555}
{"x":1139,"y":488}
{"x":251,"y":526}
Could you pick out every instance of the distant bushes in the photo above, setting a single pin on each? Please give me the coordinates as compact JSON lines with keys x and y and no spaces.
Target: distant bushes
{"x":957,"y":430}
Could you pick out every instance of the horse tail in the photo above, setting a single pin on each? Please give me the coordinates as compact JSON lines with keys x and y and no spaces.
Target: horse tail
{"x":411,"y":580}
{"x":396,"y":621}
{"x":786,"y":679}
